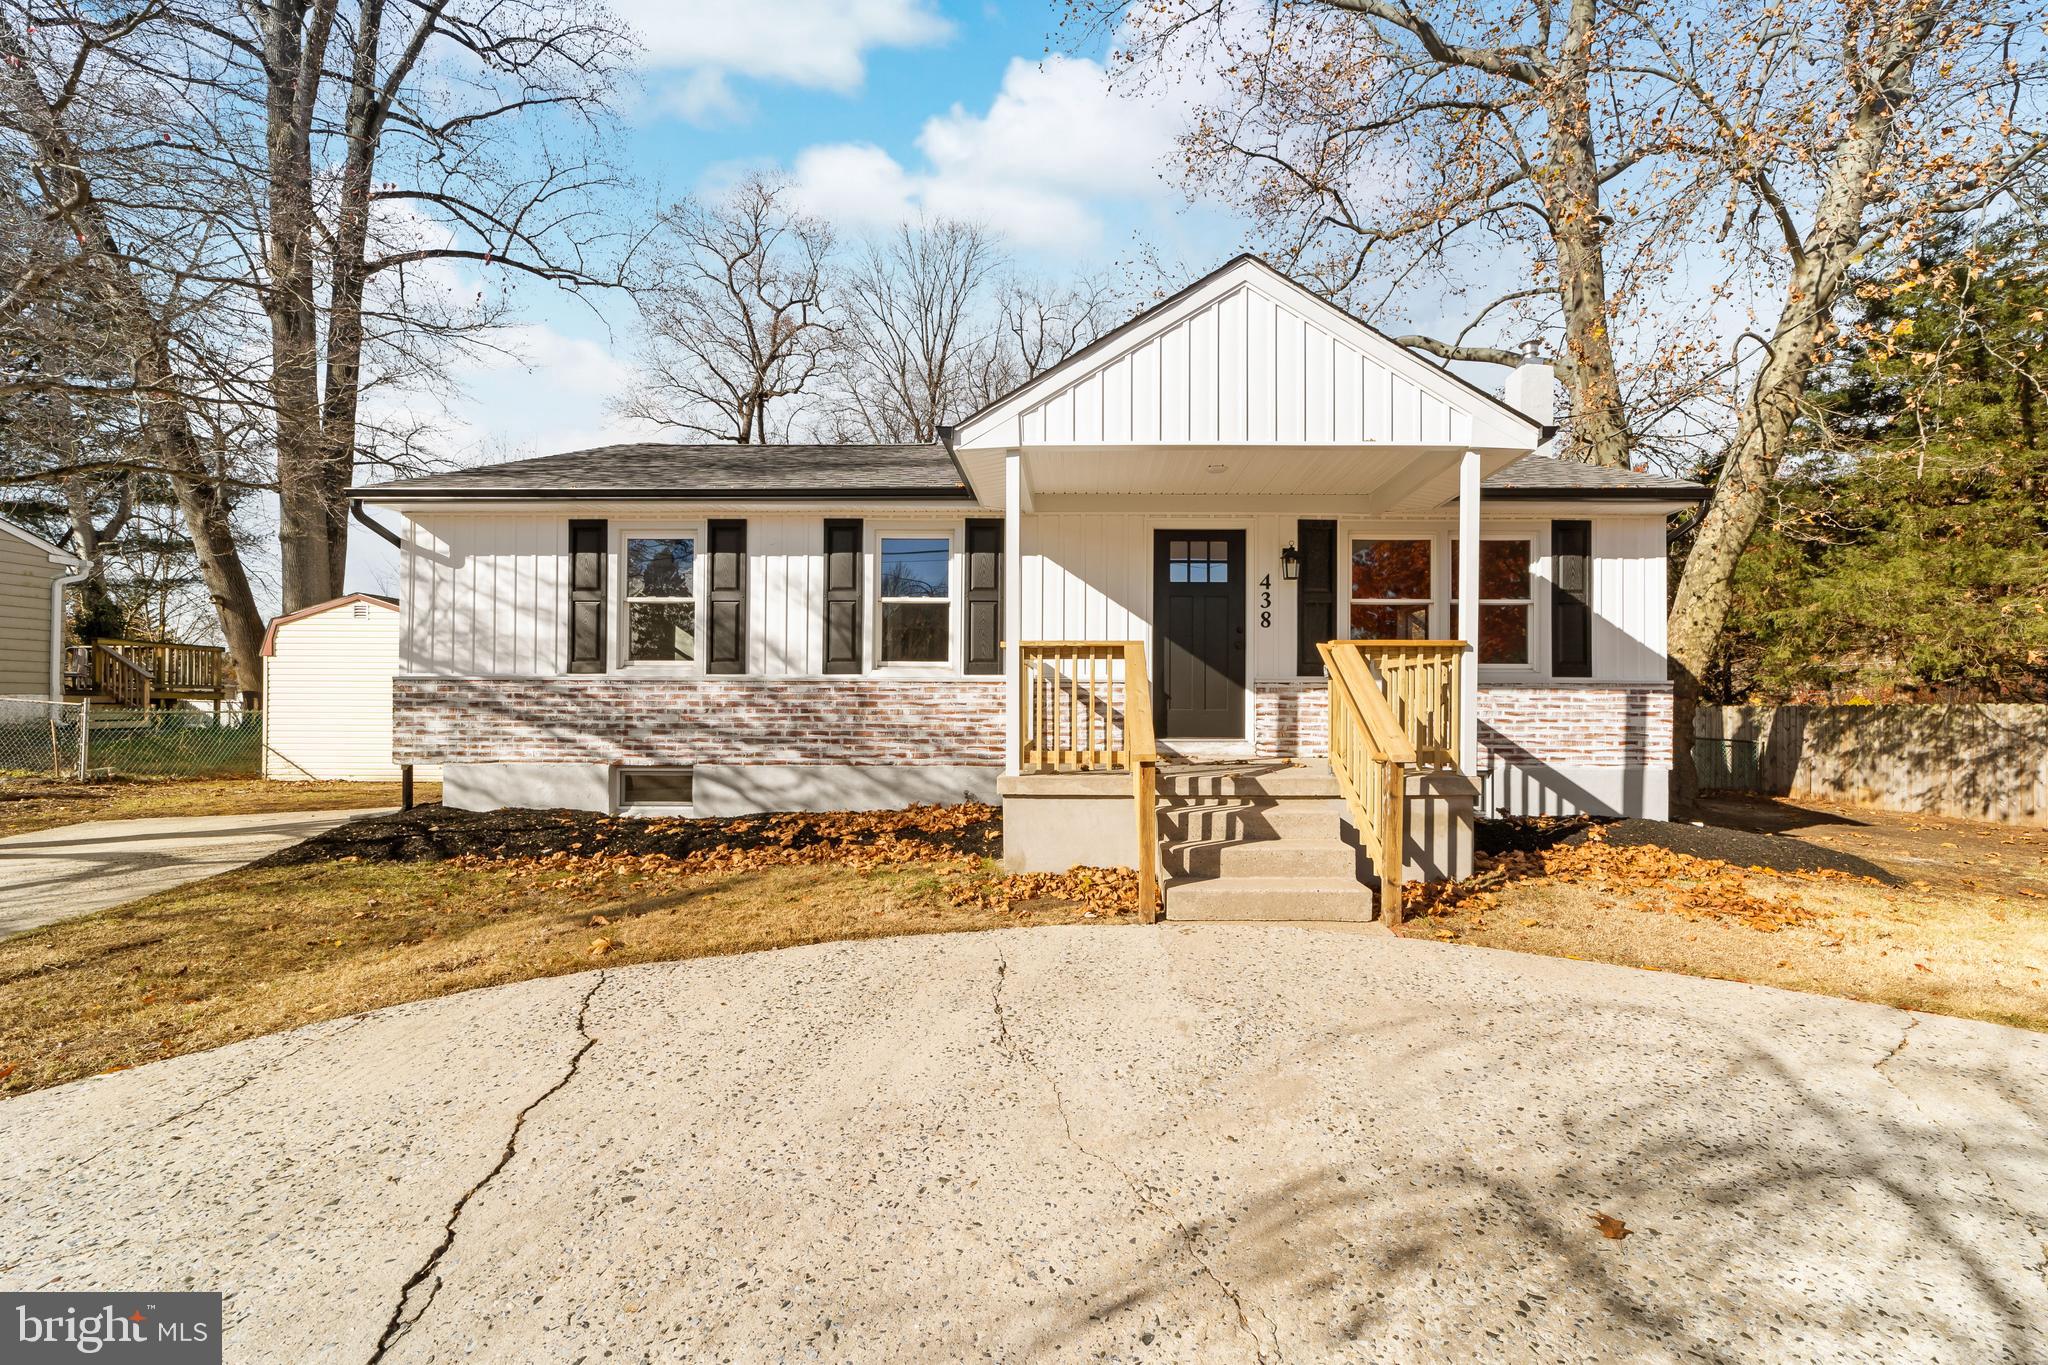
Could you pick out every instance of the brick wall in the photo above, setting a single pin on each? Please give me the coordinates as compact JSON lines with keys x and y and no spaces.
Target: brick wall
{"x":1617,"y":726}
{"x":698,"y":720}
{"x":1291,"y":719}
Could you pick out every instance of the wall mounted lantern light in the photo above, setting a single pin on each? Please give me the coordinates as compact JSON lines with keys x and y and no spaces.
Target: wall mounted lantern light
{"x":1290,"y":563}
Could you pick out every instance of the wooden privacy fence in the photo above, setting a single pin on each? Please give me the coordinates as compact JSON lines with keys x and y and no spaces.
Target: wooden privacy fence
{"x":1370,"y":754}
{"x":1086,"y":706}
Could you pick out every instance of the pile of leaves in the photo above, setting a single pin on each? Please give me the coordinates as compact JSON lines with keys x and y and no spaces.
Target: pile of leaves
{"x":1643,"y":876}
{"x":1099,"y":890}
{"x":563,"y":837}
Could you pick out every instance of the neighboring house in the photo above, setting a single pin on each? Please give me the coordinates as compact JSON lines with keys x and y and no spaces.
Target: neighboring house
{"x":1236,"y":475}
{"x":327,"y":672}
{"x":33,"y":575}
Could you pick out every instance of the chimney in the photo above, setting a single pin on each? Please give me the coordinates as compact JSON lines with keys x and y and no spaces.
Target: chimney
{"x":1532,"y":386}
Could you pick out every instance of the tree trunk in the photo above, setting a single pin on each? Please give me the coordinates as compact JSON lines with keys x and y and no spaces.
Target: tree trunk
{"x":1571,"y":184}
{"x":292,"y":62}
{"x":1699,"y":610}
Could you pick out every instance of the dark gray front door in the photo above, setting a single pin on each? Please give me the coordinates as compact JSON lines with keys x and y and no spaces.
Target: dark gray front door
{"x":1198,"y":593}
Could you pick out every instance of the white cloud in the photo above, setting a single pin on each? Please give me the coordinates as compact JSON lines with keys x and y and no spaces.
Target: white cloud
{"x":1055,"y":137}
{"x":695,"y":47}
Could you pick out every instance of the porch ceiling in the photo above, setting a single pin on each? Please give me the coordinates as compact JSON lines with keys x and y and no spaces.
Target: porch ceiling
{"x":1358,"y":480}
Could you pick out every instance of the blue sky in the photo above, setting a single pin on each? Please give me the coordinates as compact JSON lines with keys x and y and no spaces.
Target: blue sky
{"x":877,"y":110}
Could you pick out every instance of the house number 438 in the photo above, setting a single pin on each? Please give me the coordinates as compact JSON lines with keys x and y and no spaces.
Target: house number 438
{"x":1266,"y":602}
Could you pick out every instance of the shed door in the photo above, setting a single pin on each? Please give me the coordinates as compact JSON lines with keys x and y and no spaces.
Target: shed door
{"x":1198,"y":589}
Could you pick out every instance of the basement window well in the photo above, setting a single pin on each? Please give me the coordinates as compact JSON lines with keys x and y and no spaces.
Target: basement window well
{"x":655,"y":791}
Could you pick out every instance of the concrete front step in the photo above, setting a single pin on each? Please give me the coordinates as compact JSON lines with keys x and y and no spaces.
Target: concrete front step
{"x":1269,"y":898}
{"x":1264,"y":858}
{"x":1217,"y":821}
{"x":1309,"y":778}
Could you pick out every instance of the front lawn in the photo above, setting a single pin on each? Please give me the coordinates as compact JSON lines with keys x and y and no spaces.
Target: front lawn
{"x":323,"y":933}
{"x":1960,"y":927}
{"x":28,"y":804}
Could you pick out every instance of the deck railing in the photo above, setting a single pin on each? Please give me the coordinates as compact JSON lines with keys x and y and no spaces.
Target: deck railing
{"x":1370,"y":754}
{"x":119,"y":670}
{"x":1420,"y":680}
{"x":1086,"y":705}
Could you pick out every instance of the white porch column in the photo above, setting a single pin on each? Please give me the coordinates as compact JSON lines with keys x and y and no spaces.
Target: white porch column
{"x":1468,"y":613}
{"x":1013,"y":606}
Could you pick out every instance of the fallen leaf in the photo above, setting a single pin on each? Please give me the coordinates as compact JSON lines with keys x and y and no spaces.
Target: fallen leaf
{"x":1612,"y":1228}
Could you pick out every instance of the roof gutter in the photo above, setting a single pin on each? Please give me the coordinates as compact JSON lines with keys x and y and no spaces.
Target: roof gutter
{"x":588,"y":494}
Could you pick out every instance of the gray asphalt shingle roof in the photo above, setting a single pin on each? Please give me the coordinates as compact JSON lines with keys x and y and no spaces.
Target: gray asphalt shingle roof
{"x":1545,"y":476}
{"x":654,"y":469}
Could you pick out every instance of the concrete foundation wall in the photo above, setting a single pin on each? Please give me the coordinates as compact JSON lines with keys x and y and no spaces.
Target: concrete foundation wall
{"x":540,"y":786}
{"x":1978,"y":760}
{"x":1051,"y":824}
{"x":1570,"y":789}
{"x":743,"y":789}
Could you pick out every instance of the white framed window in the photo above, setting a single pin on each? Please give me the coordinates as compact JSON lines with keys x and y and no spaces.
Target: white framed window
{"x":659,"y":591}
{"x":914,"y":598}
{"x":1507,"y":599}
{"x":1393,"y":581}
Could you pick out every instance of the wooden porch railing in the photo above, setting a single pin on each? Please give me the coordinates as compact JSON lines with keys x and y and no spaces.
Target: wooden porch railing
{"x":1087,"y":706}
{"x":117,"y":669}
{"x":1419,"y":679}
{"x":1370,"y":754}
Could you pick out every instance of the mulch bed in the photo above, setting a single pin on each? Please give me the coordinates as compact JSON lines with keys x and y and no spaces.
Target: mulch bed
{"x":1742,"y":848}
{"x":434,"y":833}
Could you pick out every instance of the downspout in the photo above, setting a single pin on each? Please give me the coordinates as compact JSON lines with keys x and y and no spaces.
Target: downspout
{"x":57,"y":586}
{"x":355,"y":509}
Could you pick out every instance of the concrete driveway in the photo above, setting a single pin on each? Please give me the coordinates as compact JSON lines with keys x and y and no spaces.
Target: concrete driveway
{"x":1209,"y":1142}
{"x":54,"y":874}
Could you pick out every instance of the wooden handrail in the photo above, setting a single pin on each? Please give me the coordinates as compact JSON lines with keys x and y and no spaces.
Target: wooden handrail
{"x":1370,"y":754}
{"x":173,"y":667}
{"x":1421,"y":682}
{"x":121,"y":678}
{"x":1075,"y":714}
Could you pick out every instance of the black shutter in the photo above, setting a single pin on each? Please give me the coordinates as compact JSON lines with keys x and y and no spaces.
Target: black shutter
{"x":1315,"y":597}
{"x":1571,"y":602}
{"x":727,"y":598}
{"x":843,"y":591}
{"x":586,"y":596}
{"x":984,"y":652}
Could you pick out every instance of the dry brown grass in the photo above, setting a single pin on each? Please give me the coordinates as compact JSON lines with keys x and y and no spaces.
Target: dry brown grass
{"x":1948,"y":950}
{"x":261,"y":950}
{"x":30,"y":804}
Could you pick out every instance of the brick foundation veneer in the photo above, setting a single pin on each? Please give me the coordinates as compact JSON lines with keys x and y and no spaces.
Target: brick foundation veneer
{"x":863,"y":720}
{"x":1611,"y":726}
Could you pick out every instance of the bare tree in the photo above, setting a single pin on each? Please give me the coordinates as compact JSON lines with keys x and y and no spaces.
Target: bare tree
{"x":737,"y":315}
{"x":915,"y":333}
{"x":1040,"y":323}
{"x":1644,"y":171}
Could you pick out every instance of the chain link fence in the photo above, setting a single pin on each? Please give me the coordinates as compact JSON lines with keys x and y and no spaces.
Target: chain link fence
{"x":79,"y":740}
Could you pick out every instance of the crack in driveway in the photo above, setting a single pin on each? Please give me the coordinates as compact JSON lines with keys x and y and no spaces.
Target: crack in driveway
{"x":1140,"y":1190}
{"x":400,"y":1322}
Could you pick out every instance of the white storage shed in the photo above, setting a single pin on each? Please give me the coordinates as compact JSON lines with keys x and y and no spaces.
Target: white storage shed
{"x":327,"y":674}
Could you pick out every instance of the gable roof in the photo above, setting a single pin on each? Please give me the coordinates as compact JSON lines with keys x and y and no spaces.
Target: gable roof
{"x":654,"y":469}
{"x":1284,"y":366}
{"x":57,"y":553}
{"x":270,"y":631}
{"x":1546,"y":476}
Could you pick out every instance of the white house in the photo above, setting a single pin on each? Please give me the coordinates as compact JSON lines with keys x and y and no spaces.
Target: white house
{"x":327,"y":672}
{"x":1235,"y":477}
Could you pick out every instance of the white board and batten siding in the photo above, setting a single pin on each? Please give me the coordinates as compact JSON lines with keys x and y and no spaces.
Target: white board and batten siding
{"x":327,"y":697}
{"x":487,"y":591}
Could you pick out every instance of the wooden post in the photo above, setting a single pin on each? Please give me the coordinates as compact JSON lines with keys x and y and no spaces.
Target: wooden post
{"x":1146,"y":775}
{"x":1393,"y":850}
{"x":405,"y":786}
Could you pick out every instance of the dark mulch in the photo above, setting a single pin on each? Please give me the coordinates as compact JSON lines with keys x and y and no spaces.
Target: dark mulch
{"x":431,"y":833}
{"x":1744,"y":848}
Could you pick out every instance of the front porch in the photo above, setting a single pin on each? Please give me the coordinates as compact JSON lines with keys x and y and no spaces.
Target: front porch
{"x":1275,"y":838}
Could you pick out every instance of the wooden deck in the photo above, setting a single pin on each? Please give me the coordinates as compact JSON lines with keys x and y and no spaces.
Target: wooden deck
{"x":140,"y":673}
